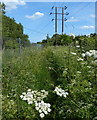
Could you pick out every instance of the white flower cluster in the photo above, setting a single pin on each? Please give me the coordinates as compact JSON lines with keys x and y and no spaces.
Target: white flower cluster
{"x":34,"y":96}
{"x":37,"y":97}
{"x":59,"y":91}
{"x":43,"y":108}
{"x":90,"y":53}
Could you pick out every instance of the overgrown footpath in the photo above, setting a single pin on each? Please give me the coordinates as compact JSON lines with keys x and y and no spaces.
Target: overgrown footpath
{"x":53,"y":83}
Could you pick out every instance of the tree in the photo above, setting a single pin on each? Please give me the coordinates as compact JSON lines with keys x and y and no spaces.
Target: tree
{"x":57,"y":39}
{"x":12,"y":32}
{"x":2,"y":8}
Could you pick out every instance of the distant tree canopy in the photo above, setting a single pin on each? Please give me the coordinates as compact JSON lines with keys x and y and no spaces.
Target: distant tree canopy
{"x":83,"y":40}
{"x":57,"y":39}
{"x":12,"y":32}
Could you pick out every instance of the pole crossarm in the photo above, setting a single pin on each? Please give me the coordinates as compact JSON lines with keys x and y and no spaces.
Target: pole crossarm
{"x":56,"y":17}
{"x":60,"y":19}
{"x":60,"y":13}
{"x":65,"y":7}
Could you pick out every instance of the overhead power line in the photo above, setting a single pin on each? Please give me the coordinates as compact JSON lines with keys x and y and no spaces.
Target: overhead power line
{"x":76,"y":12}
{"x":33,"y":30}
{"x":56,"y":17}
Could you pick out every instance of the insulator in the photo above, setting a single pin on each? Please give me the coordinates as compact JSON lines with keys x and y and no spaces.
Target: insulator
{"x":65,"y":19}
{"x":65,"y":7}
{"x":52,"y":7}
{"x":67,"y":13}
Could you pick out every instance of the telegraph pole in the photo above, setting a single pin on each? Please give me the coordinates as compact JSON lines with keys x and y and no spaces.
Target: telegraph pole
{"x":56,"y":18}
{"x":62,"y":21}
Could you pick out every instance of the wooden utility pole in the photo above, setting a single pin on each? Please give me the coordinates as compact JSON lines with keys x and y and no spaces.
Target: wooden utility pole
{"x":62,"y":21}
{"x":56,"y":18}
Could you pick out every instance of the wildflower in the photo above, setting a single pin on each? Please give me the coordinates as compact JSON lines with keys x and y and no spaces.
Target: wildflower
{"x":24,"y":93}
{"x":33,"y":96}
{"x":21,"y":96}
{"x":37,"y":108}
{"x":40,"y":111}
{"x":37,"y":97}
{"x":77,"y":46}
{"x":60,"y":92}
{"x":29,"y":90}
{"x":83,"y":55}
{"x":80,"y":59}
{"x":78,"y":72}
{"x":43,"y":107}
{"x":73,"y":53}
{"x":41,"y":115}
{"x":77,"y":42}
{"x":95,"y":61}
{"x":93,"y":52}
{"x":88,"y":54}
{"x":65,"y":94}
{"x":49,"y":110}
{"x":64,"y":72}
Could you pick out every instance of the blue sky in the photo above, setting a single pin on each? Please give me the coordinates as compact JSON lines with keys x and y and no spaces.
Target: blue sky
{"x":37,"y":23}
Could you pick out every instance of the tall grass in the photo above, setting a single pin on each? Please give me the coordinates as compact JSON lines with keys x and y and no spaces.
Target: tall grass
{"x":47,"y":68}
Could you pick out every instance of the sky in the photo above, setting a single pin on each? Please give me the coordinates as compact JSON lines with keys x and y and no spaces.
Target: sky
{"x":37,"y":21}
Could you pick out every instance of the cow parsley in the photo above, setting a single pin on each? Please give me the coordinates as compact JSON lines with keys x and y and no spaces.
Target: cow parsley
{"x":36,"y":97}
{"x":59,"y":91}
{"x":43,"y":108}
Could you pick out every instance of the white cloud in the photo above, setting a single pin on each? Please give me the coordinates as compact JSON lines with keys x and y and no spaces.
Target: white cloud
{"x":12,"y":4}
{"x":87,"y":27}
{"x":35,"y":15}
{"x":93,"y":16}
{"x":72,"y":19}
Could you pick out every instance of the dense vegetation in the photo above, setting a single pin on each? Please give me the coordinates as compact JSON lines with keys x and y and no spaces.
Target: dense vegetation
{"x":70,"y":68}
{"x":54,"y":82}
{"x":12,"y":32}
{"x":90,"y":40}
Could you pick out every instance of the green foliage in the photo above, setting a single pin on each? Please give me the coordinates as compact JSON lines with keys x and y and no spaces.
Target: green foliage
{"x":47,"y":68}
{"x":88,"y":42}
{"x":12,"y":32}
{"x":58,"y":40}
{"x":2,"y":8}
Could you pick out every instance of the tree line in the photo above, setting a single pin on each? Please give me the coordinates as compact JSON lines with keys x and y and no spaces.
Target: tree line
{"x":12,"y":32}
{"x":81,"y":40}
